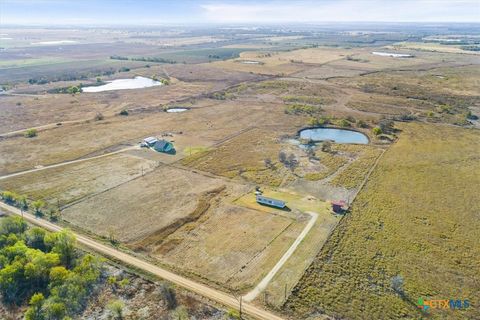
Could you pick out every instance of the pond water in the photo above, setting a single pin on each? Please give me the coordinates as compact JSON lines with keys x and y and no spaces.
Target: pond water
{"x":337,"y":135}
{"x":123,"y":84}
{"x":393,"y":55}
{"x":250,"y":62}
{"x":174,"y":110}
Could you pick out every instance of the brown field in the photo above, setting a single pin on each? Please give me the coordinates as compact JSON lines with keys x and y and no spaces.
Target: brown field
{"x":143,"y":206}
{"x":66,"y":184}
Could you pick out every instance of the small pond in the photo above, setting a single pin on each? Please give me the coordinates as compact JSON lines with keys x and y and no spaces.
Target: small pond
{"x":391,"y":54}
{"x":122,"y":84}
{"x":337,"y":135}
{"x":177,"y":109}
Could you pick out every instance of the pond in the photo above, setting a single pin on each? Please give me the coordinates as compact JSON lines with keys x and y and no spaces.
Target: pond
{"x":123,"y":84}
{"x":391,"y":54}
{"x":177,"y":109}
{"x":337,"y":135}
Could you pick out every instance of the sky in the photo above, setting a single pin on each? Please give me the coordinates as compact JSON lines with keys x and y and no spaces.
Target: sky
{"x":164,"y":12}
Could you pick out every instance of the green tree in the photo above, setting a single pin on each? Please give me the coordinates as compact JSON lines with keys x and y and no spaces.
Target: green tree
{"x":63,"y":243}
{"x":116,"y":308}
{"x":34,"y":238}
{"x":21,"y":201}
{"x":9,"y":197}
{"x":377,"y":131}
{"x":37,"y":206}
{"x":73,"y":90}
{"x":15,"y":225}
{"x":34,"y":312}
{"x":54,"y":310}
{"x":30,"y":133}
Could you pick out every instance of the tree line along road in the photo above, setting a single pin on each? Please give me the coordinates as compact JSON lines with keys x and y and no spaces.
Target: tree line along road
{"x":201,"y":289}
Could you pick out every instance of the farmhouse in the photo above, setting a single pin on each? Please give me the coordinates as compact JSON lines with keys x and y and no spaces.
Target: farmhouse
{"x":164,"y":146}
{"x":150,"y":141}
{"x":270,"y":201}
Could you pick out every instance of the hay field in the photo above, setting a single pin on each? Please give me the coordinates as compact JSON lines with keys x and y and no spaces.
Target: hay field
{"x":281,"y":63}
{"x":233,"y":247}
{"x":142,"y":206}
{"x":66,"y":184}
{"x":418,"y":218}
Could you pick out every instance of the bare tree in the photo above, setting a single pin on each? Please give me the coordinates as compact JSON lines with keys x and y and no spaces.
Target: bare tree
{"x":282,"y":156}
{"x":291,"y":162}
{"x":326,"y":146}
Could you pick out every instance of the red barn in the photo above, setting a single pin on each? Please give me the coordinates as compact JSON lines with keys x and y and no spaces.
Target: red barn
{"x":339,"y":206}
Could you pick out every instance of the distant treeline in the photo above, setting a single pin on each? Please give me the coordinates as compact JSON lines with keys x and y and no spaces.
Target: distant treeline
{"x":145,"y":59}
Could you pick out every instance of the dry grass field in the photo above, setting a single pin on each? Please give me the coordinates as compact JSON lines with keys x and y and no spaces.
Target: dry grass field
{"x":66,"y":184}
{"x":417,"y":218}
{"x":141,"y":207}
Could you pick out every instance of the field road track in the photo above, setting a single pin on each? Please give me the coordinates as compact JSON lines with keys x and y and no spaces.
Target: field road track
{"x":201,"y":289}
{"x":266,"y":280}
{"x":67,"y":163}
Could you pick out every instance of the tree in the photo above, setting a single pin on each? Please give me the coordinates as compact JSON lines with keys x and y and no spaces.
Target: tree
{"x":169,"y":296}
{"x":344,"y":123}
{"x":54,"y":310}
{"x":386,"y":125}
{"x":63,"y":243}
{"x":35,"y":238}
{"x":9,"y":197}
{"x":377,"y":131}
{"x":34,"y":312}
{"x":361,"y":124}
{"x":73,"y":90}
{"x":15,"y":225}
{"x":292,"y":162}
{"x":268,"y":163}
{"x":116,"y":308}
{"x":282,"y":156}
{"x":327,"y":146}
{"x":310,"y":152}
{"x":124,"y":112}
{"x":30,"y":133}
{"x":397,"y":284}
{"x":180,"y":313}
{"x":99,"y":116}
{"x":22,"y":202}
{"x":37,"y":206}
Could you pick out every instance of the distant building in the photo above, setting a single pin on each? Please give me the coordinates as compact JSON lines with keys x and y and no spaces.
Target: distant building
{"x":270,"y":202}
{"x":150,"y":141}
{"x":164,"y":146}
{"x":339,"y":206}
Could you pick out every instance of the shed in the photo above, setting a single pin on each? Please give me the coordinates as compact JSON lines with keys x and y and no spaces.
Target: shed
{"x":164,"y":146}
{"x":150,"y":141}
{"x":270,"y":201}
{"x":339,"y":206}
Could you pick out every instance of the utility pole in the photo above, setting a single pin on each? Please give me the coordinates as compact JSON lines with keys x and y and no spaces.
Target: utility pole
{"x":240,"y":313}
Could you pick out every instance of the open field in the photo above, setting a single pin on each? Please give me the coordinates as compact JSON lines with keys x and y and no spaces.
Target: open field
{"x":161,"y":198}
{"x":417,"y":217}
{"x":66,"y":184}
{"x":432,"y":47}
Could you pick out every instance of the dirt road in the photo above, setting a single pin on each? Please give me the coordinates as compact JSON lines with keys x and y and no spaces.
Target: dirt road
{"x":201,"y":289}
{"x":266,"y":280}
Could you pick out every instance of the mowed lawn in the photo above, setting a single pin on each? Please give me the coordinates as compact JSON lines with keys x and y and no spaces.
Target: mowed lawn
{"x":418,"y":217}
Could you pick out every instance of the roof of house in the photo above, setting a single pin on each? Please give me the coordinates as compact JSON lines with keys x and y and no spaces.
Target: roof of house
{"x":150,"y":140}
{"x":267,"y":200}
{"x":163,"y":145}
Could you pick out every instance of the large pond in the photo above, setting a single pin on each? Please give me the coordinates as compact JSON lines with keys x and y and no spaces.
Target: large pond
{"x":337,"y":135}
{"x":123,"y":84}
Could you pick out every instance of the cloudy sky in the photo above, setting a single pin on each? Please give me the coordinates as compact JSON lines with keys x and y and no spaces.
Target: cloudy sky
{"x":230,"y":11}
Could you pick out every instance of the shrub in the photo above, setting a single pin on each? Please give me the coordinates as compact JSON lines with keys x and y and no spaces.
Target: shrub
{"x":377,"y":131}
{"x":99,"y":116}
{"x":9,"y":197}
{"x":362,"y":124}
{"x":124,"y":112}
{"x":116,"y":308}
{"x":344,"y":123}
{"x":30,"y":133}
